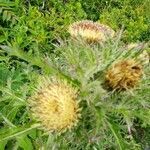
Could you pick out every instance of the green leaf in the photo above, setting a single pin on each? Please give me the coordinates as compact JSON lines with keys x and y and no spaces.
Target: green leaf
{"x":25,"y":143}
{"x":6,"y":3}
{"x":9,"y":16}
{"x":115,"y":131}
{"x":9,"y":133}
{"x":2,"y":38}
{"x":5,"y":14}
{"x":7,"y":120}
{"x":33,"y":134}
{"x":2,"y":145}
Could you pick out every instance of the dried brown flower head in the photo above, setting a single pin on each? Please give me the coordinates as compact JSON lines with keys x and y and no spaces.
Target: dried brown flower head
{"x":54,"y":105}
{"x":91,"y":31}
{"x":124,"y":75}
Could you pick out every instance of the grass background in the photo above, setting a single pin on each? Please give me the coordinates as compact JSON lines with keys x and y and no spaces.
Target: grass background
{"x":33,"y":42}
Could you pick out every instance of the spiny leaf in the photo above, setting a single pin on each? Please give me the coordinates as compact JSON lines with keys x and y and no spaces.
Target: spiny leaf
{"x":115,"y":131}
{"x":6,"y":134}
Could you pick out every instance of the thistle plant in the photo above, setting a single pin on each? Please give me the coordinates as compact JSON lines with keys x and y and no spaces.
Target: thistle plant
{"x":35,"y":113}
{"x":104,"y":112}
{"x":45,"y":81}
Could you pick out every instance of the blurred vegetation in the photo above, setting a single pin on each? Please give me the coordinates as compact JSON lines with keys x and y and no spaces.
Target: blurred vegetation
{"x":32,"y":43}
{"x":132,"y":16}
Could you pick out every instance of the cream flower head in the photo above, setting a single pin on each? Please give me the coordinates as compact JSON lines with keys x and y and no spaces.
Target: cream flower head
{"x":54,"y":105}
{"x":91,"y":31}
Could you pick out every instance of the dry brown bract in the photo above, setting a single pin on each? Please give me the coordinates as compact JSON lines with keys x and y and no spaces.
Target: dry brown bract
{"x":124,"y":75}
{"x":54,"y":105}
{"x":91,"y":31}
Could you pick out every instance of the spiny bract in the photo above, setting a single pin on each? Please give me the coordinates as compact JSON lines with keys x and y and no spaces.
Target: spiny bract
{"x":54,"y":105}
{"x":143,"y":57}
{"x":91,"y":31}
{"x":124,"y":75}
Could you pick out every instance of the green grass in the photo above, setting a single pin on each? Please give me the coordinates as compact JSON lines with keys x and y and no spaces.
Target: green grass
{"x":34,"y":42}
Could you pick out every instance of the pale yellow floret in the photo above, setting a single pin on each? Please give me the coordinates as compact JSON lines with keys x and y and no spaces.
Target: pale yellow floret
{"x":55,"y":105}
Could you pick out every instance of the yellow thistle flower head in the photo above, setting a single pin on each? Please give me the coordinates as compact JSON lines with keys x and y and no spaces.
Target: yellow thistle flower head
{"x":54,"y":105}
{"x":124,"y":75}
{"x":91,"y":31}
{"x":144,"y":56}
